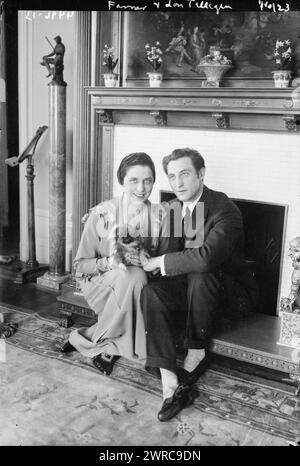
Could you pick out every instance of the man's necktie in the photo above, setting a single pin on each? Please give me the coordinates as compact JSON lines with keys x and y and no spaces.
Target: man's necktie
{"x":187,"y":231}
{"x":187,"y":220}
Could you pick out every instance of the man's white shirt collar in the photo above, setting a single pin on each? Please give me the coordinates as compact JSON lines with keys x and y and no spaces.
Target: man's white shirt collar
{"x":190,"y":205}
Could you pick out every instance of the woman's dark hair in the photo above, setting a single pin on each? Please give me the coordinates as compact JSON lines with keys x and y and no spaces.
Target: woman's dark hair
{"x":137,"y":158}
{"x":194,"y":155}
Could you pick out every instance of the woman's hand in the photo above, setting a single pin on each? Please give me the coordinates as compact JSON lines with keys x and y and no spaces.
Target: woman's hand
{"x":86,"y":266}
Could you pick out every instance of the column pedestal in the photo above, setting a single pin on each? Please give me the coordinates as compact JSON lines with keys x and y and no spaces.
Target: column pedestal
{"x":54,"y":282}
{"x":57,"y":189}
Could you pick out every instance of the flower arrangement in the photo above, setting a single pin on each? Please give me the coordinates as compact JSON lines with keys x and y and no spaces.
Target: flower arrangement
{"x":109,"y":58}
{"x":214,"y":66}
{"x":154,"y":55}
{"x":282,"y":54}
{"x":215,"y":58}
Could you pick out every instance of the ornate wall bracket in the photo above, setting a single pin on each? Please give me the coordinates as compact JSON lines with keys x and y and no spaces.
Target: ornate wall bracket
{"x":292,"y":123}
{"x":221,"y":119}
{"x":105,"y":117}
{"x":159,"y":117}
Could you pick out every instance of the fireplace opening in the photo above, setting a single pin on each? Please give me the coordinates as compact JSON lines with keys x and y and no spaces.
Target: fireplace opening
{"x":264,"y":228}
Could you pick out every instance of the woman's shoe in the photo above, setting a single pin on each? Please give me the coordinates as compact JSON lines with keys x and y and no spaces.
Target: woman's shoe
{"x":105,"y":362}
{"x":67,"y":347}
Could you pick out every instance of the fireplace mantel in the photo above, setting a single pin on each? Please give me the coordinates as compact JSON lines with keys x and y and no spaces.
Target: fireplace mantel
{"x":223,"y":108}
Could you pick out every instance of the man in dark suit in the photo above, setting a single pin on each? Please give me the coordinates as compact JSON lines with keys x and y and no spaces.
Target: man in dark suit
{"x":188,"y":291}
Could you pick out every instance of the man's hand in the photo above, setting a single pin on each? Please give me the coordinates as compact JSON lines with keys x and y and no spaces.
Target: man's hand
{"x":152,"y":264}
{"x":133,"y":258}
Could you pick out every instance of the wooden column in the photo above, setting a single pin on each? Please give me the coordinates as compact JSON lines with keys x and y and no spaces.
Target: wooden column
{"x":32,"y":262}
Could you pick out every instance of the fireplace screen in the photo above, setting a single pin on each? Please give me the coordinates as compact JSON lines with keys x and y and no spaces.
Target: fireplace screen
{"x":264,"y":226}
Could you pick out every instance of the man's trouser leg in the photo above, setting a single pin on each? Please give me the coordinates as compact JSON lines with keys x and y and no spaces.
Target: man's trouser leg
{"x":203,"y":295}
{"x":191,"y":302}
{"x":163,"y":301}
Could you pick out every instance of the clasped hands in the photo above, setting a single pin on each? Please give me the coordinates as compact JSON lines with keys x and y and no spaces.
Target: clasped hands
{"x":143,"y":259}
{"x":132,"y":257}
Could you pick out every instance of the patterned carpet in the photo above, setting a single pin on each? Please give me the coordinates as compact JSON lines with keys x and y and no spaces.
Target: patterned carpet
{"x":61,"y":399}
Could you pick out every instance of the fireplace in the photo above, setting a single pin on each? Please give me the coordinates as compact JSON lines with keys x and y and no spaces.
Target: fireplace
{"x":264,"y":228}
{"x":250,"y":142}
{"x":249,"y":139}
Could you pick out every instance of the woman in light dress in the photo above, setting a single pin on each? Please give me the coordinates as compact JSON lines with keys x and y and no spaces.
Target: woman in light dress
{"x":112,"y":292}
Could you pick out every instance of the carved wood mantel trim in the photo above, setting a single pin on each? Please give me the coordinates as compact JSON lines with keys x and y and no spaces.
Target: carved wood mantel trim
{"x":221,"y":119}
{"x":267,"y":105}
{"x":160,"y":117}
{"x":291,"y":122}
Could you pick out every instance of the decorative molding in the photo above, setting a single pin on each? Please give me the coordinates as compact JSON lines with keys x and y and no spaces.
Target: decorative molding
{"x":254,"y":109}
{"x":250,"y":103}
{"x":152,"y":101}
{"x":291,"y":123}
{"x":189,"y":101}
{"x":117,"y":42}
{"x":67,"y":308}
{"x":222,"y":120}
{"x":96,"y":50}
{"x":216,"y":102}
{"x":288,"y":104}
{"x":105,"y":117}
{"x":253,"y":356}
{"x":289,"y":327}
{"x":81,"y":139}
{"x":159,"y":117}
{"x":105,"y":187}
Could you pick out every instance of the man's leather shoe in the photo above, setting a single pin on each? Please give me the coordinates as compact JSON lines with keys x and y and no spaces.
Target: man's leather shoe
{"x":182,"y":397}
{"x":190,"y":378}
{"x":67,"y":347}
{"x":105,"y":362}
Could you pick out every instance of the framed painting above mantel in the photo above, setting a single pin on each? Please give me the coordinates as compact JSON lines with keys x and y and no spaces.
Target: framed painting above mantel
{"x":246,"y":38}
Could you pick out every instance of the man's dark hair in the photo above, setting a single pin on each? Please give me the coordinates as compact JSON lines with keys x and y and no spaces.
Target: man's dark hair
{"x":137,"y":158}
{"x":194,"y":155}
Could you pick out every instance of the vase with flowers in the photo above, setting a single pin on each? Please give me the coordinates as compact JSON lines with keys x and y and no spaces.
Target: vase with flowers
{"x":282,"y":55}
{"x":154,"y":57}
{"x":110,"y":78}
{"x":214,"y":66}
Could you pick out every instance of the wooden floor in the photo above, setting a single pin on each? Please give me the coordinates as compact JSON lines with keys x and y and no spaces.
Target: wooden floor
{"x":250,"y":347}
